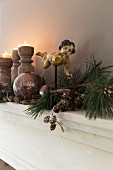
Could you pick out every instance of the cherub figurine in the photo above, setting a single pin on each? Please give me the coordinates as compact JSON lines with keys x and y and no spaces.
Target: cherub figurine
{"x":58,"y":58}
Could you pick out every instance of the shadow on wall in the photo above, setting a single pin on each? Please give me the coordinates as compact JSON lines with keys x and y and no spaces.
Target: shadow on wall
{"x":47,"y":74}
{"x":79,"y":58}
{"x":101,"y":46}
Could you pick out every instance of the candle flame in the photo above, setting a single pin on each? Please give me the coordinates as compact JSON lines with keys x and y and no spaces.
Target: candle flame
{"x":15,"y":48}
{"x":6,"y":55}
{"x":25,"y":44}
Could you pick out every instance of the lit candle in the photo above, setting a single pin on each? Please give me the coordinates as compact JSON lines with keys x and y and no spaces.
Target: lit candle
{"x":6,"y":55}
{"x":25,"y":49}
{"x":25,"y":44}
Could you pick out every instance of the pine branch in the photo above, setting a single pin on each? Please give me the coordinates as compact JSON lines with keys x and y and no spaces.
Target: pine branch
{"x":77,"y":78}
{"x":46,"y":102}
{"x":98,"y":100}
{"x":98,"y":103}
{"x":96,"y":84}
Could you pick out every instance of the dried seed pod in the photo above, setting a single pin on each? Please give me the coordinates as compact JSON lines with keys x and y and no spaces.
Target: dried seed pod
{"x":56,"y":109}
{"x":11,"y":98}
{"x":69,"y":95}
{"x":5,"y":99}
{"x":16,"y":99}
{"x":46,"y":119}
{"x":62,"y":109}
{"x":24,"y":102}
{"x":52,"y":126}
{"x":53,"y":120}
{"x":33,"y":100}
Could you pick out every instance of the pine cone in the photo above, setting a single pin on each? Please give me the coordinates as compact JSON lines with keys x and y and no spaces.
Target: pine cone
{"x":56,"y":109}
{"x":5,"y":99}
{"x":33,"y":100}
{"x":63,"y":108}
{"x":68,"y":95}
{"x":46,"y":119}
{"x":16,"y":99}
{"x":52,"y":126}
{"x":11,"y":98}
{"x":24,"y":102}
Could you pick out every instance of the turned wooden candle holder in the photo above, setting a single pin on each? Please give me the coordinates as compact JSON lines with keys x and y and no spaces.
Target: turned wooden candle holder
{"x":5,"y":71}
{"x":16,"y":64}
{"x":25,"y":53}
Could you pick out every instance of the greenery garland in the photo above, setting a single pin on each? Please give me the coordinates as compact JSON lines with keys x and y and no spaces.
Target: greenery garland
{"x":93,"y":90}
{"x":96,"y":84}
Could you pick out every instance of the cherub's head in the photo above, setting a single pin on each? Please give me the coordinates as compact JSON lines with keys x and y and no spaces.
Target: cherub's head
{"x":67,"y":47}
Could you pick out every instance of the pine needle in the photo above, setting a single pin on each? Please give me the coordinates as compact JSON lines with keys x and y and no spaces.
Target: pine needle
{"x":46,"y":102}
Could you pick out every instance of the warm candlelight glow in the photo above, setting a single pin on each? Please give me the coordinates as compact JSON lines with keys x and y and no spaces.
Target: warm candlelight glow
{"x":15,"y":48}
{"x":25,"y":44}
{"x":5,"y":55}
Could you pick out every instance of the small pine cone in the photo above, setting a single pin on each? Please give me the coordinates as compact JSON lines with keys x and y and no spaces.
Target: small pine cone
{"x":63,"y":108}
{"x":56,"y":109}
{"x":24,"y":102}
{"x":64,"y":95}
{"x":65,"y":102}
{"x":71,"y":108}
{"x":52,"y":126}
{"x":33,"y":96}
{"x":78,"y":98}
{"x":10,"y":98}
{"x":33,"y":100}
{"x":5,"y":99}
{"x":46,"y":119}
{"x":16,"y":99}
{"x":68,"y":95}
{"x":53,"y":120}
{"x":82,"y":96}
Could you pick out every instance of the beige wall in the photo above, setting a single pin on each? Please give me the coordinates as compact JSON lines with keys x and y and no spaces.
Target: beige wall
{"x":45,"y":23}
{"x":0,"y":25}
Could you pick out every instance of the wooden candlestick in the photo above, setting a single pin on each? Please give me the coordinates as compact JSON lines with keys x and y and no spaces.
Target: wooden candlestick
{"x":25,"y":53}
{"x":5,"y":71}
{"x":16,"y":64}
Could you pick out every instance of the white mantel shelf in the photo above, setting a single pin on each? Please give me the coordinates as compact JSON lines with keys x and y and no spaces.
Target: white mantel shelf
{"x":28,"y":144}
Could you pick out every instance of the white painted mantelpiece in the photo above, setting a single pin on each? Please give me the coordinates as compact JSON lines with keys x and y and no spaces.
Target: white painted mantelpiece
{"x":28,"y":144}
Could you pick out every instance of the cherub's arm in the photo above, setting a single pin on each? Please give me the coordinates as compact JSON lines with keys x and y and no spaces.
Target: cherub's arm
{"x":41,"y":54}
{"x":45,"y":59}
{"x":67,"y":69}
